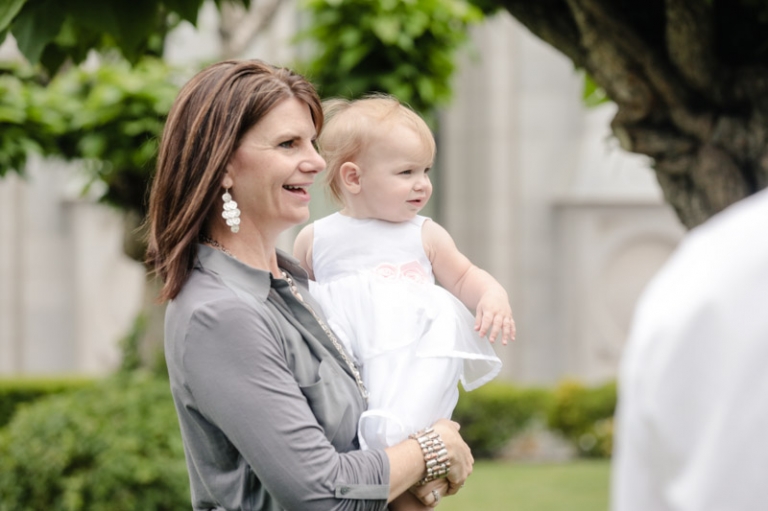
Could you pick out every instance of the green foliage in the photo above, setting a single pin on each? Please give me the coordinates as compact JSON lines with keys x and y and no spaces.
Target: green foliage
{"x":136,"y":356}
{"x":488,"y":7}
{"x":16,"y":392}
{"x":491,"y":415}
{"x":114,"y":446}
{"x":592,"y":94}
{"x":51,"y":31}
{"x":116,"y":115}
{"x":26,"y":125}
{"x":110,"y":117}
{"x":129,"y":345}
{"x":584,"y":415}
{"x":402,"y":47}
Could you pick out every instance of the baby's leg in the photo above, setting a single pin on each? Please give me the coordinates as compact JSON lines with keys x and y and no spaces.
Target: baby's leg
{"x":407,"y":502}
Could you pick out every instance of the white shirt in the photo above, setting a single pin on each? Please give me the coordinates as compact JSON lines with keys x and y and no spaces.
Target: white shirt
{"x":692,"y":420}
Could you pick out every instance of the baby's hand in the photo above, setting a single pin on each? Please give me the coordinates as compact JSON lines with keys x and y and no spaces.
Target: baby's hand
{"x":494,"y":316}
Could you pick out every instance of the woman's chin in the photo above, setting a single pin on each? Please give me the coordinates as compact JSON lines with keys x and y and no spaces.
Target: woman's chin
{"x":298,"y":217}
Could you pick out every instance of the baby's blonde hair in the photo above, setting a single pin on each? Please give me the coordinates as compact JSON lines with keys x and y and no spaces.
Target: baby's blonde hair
{"x":349,"y":126}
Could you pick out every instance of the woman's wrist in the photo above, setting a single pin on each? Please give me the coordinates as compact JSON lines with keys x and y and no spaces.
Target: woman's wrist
{"x":435,"y":454}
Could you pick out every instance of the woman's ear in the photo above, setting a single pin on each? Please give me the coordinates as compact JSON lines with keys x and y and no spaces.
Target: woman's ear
{"x":227,"y":181}
{"x":350,"y":175}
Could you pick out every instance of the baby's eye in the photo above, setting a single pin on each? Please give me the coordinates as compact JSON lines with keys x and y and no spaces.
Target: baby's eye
{"x":426,"y":170}
{"x":406,"y":172}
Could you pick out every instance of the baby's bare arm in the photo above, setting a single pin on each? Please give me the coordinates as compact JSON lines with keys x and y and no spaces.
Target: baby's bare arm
{"x":302,"y":248}
{"x":475,"y":287}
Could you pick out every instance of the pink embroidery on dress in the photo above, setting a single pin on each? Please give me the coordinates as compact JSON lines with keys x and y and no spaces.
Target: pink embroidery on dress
{"x":412,"y":271}
{"x":386,"y":270}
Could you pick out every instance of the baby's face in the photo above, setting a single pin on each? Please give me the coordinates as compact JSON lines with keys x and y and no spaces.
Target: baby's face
{"x":395,"y":183}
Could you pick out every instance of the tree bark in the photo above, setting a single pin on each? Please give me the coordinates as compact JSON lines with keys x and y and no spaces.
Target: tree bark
{"x":702,"y":120}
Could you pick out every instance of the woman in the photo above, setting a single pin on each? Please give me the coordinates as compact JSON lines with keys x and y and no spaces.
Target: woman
{"x":267,"y":399}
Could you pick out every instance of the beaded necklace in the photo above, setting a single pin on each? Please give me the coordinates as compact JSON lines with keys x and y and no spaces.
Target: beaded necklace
{"x":336,"y":344}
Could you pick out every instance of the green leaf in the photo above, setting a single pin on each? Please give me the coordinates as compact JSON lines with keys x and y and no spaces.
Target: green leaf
{"x":187,"y":9}
{"x":426,"y":88}
{"x":52,"y":58}
{"x":95,"y":16}
{"x":592,"y":94}
{"x":387,"y":29}
{"x":8,"y":10}
{"x":136,"y":20}
{"x":352,"y":57}
{"x":36,"y":25}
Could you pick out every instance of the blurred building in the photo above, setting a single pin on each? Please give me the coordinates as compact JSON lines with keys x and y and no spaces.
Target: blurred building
{"x":528,"y":181}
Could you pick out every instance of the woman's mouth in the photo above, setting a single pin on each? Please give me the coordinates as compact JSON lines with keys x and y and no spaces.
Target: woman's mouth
{"x":299,"y":190}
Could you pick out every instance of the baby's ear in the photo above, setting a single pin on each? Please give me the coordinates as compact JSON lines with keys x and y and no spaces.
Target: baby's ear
{"x":350,"y":177}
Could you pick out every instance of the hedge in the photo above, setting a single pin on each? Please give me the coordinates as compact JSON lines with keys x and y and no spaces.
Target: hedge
{"x":491,"y":415}
{"x":584,"y":415}
{"x":115,"y":444}
{"x":112,"y":446}
{"x":15,"y":392}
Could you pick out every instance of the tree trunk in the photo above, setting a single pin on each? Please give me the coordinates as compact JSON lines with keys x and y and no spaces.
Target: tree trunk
{"x":703,"y":122}
{"x":239,"y":27}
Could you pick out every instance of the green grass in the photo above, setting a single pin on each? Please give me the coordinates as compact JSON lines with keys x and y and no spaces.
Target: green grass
{"x":503,"y":486}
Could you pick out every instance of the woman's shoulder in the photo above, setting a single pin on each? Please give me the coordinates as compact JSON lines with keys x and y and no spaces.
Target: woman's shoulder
{"x":207,"y":297}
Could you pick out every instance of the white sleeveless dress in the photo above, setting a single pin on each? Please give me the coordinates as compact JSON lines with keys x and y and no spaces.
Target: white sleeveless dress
{"x":413,"y":340}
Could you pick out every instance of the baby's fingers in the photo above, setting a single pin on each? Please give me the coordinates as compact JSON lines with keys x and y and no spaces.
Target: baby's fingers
{"x":497,"y":327}
{"x":509,"y":330}
{"x":488,"y":323}
{"x":479,"y":322}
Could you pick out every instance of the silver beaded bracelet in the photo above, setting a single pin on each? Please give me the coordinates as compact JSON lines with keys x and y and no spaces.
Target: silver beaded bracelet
{"x":435,"y":454}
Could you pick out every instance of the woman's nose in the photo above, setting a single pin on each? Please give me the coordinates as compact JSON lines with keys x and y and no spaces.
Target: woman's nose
{"x":314,"y":162}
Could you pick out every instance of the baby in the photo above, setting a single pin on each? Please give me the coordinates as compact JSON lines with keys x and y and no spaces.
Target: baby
{"x":374,"y":264}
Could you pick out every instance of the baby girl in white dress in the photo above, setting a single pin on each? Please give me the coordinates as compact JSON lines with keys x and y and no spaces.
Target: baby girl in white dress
{"x":374,"y":264}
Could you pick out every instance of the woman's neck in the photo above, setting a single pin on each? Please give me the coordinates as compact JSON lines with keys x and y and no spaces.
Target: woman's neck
{"x":251,"y":248}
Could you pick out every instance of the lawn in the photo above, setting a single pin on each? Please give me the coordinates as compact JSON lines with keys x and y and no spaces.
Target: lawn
{"x":503,"y":486}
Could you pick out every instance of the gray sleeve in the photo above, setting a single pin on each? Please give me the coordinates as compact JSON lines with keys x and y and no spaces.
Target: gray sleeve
{"x":237,"y":372}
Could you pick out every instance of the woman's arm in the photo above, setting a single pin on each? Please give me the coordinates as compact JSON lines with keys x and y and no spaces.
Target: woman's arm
{"x":407,"y":465}
{"x":476,"y":288}
{"x":236,"y":368}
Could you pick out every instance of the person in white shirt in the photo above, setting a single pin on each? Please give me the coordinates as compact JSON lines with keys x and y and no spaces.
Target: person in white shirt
{"x":692,"y":414}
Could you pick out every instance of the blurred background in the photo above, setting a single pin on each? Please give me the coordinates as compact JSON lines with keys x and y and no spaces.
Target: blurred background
{"x":529,"y":181}
{"x":569,"y":169}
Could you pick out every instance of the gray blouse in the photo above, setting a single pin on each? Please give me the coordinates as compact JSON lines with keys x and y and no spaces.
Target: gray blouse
{"x":268,"y":410}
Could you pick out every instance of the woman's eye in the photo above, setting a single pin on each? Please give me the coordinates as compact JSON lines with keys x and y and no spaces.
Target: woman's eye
{"x":287,"y":144}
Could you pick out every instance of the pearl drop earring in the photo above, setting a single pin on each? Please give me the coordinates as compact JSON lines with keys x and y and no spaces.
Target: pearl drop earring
{"x":231,"y":213}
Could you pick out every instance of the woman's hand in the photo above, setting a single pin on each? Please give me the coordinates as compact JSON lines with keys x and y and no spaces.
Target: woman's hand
{"x":430,"y":494}
{"x":406,"y":463}
{"x":461,"y":460}
{"x":459,"y":454}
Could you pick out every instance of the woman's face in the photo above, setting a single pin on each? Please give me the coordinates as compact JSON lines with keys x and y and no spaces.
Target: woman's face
{"x":270,"y":172}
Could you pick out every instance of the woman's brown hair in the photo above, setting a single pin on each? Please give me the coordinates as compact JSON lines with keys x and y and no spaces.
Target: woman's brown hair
{"x":207,"y":121}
